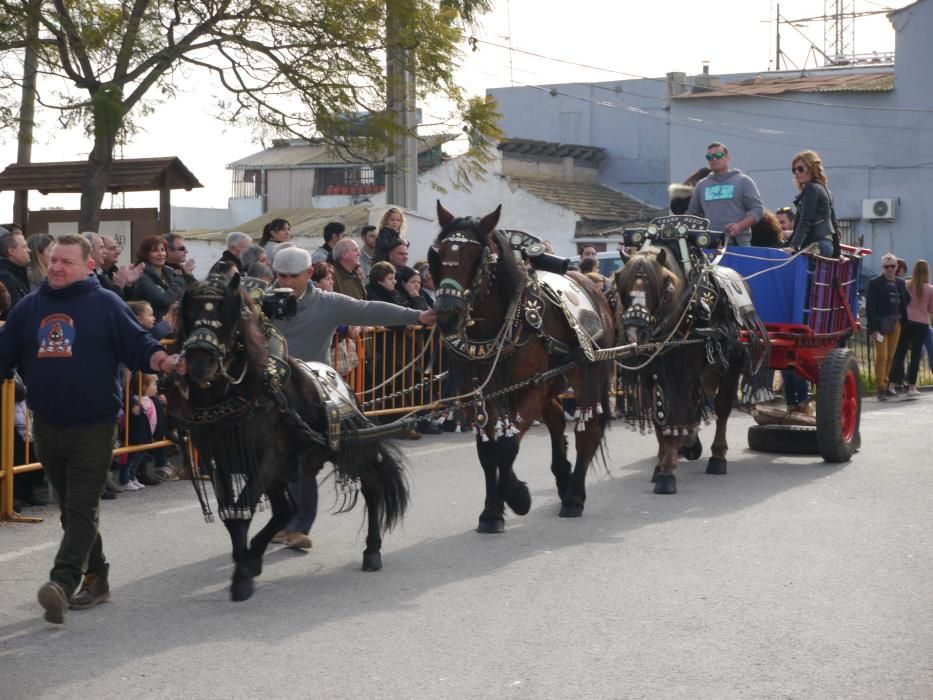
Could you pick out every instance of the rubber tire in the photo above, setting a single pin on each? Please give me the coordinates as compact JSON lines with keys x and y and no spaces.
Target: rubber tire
{"x":785,"y":439}
{"x":834,"y":447}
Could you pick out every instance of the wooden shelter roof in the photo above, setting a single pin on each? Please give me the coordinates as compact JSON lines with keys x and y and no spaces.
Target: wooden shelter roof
{"x":126,"y":175}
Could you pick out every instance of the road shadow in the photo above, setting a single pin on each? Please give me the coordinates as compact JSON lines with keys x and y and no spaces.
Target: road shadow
{"x":192,"y":600}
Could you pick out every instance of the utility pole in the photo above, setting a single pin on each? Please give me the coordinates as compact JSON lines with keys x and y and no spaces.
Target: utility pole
{"x":777,"y":40}
{"x":27,"y":111}
{"x":402,"y":161}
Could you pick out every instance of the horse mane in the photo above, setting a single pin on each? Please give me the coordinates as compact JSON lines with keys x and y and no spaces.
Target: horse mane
{"x":510,"y":273}
{"x":658,"y":278}
{"x":766,"y":232}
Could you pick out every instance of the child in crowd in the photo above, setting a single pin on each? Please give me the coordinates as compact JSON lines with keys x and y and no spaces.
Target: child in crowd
{"x":147,"y":424}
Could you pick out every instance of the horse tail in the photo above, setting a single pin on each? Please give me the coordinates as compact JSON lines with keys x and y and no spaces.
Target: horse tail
{"x":393,"y":493}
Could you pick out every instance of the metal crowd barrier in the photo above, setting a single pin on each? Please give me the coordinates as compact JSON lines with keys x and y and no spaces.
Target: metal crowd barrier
{"x":8,"y":469}
{"x":397,"y":370}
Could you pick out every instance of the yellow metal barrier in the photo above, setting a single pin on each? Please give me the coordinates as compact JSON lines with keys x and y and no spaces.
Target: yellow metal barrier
{"x":397,"y":370}
{"x":7,"y":429}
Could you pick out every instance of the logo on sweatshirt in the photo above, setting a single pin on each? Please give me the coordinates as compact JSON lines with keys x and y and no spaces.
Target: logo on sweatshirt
{"x":715,"y":193}
{"x":56,"y":336}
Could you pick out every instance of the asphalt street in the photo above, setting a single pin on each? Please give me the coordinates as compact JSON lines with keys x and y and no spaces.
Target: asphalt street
{"x":786,"y":578}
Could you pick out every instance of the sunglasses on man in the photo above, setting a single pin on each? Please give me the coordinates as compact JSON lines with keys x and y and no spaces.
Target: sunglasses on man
{"x":784,"y":210}
{"x":890,"y":267}
{"x":715,"y":156}
{"x":180,"y":249}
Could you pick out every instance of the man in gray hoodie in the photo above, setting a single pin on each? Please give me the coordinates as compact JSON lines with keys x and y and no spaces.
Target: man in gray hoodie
{"x":310,"y":333}
{"x":728,"y":198}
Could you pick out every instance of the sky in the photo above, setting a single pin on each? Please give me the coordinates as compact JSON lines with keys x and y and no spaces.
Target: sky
{"x":594,"y":40}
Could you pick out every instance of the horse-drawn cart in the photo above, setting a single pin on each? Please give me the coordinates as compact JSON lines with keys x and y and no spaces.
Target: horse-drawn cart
{"x":809,"y":307}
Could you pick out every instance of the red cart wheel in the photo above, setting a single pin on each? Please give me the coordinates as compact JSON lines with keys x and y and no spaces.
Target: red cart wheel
{"x":838,"y":406}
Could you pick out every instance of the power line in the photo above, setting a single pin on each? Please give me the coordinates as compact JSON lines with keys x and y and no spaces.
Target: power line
{"x":698,"y":124}
{"x":775,"y":98}
{"x":729,"y":110}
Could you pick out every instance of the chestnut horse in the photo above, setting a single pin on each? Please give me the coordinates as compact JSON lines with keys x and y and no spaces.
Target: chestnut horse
{"x":513,"y":350}
{"x":674,"y":388}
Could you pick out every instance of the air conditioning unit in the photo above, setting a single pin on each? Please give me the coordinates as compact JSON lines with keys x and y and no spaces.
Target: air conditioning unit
{"x":879,"y":209}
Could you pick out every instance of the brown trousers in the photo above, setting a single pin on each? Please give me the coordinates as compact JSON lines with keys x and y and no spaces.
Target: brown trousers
{"x":884,"y":355}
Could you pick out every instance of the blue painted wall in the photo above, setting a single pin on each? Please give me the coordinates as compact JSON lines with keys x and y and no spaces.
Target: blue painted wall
{"x":868,"y":152}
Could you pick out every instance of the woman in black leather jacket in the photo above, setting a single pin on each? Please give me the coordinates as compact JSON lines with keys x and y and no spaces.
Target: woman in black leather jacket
{"x":814,"y":220}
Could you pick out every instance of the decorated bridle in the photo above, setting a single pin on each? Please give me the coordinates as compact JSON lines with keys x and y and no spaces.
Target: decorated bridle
{"x":485,"y":271}
{"x":204,"y":336}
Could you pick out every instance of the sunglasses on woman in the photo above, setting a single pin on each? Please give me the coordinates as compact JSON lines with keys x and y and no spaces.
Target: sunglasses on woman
{"x":799,"y":169}
{"x":717,"y":156}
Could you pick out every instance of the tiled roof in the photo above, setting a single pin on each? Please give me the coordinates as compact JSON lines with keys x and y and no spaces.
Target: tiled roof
{"x":126,"y":175}
{"x":309,"y":154}
{"x":532,"y":147}
{"x":881,"y":81}
{"x":600,"y":208}
{"x":305,"y":222}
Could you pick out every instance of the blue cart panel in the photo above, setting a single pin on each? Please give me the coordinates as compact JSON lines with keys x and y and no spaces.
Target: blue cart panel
{"x":801,"y":292}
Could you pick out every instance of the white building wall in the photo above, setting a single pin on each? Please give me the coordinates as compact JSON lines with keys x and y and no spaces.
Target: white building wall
{"x":194,"y":218}
{"x":520,"y":210}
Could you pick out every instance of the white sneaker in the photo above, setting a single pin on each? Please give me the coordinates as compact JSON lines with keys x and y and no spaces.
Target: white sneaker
{"x":913,"y":391}
{"x":138,"y":485}
{"x":130,"y":486}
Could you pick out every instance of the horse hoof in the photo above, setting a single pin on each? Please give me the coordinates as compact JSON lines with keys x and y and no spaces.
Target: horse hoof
{"x":693,"y":452}
{"x":665,"y":484}
{"x":570,"y":509}
{"x":519,"y":499}
{"x":491,"y":527}
{"x":654,"y":476}
{"x":242,"y":589}
{"x":716,"y":465}
{"x":372,"y":561}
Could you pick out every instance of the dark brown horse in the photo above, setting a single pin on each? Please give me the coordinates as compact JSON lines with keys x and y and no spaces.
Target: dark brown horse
{"x":257,"y":422}
{"x":712,"y":344}
{"x":511,"y":344}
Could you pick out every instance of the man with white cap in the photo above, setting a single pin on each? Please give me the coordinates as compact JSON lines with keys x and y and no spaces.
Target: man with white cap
{"x":310,"y":332}
{"x":309,"y":335}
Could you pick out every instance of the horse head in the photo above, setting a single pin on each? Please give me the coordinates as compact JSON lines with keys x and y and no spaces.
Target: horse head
{"x":211,"y":316}
{"x":647,"y":292}
{"x":462,"y":262}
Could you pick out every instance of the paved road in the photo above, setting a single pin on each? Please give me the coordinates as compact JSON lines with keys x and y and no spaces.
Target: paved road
{"x":788,"y":578}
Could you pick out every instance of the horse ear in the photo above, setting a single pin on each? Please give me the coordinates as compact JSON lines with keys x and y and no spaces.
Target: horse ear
{"x":490,"y":221}
{"x":662,"y":256}
{"x":434,"y":263}
{"x":444,"y":217}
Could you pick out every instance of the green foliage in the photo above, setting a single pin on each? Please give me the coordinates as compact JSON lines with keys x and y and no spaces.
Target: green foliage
{"x":296,"y":68}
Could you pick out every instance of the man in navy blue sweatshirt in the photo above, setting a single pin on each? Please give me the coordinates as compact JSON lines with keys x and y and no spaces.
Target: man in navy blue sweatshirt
{"x":67,"y":339}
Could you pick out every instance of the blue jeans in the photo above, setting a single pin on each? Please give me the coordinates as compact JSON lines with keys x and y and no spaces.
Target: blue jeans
{"x":826,"y":247}
{"x":796,"y":389}
{"x":304,"y":494}
{"x":928,"y":345}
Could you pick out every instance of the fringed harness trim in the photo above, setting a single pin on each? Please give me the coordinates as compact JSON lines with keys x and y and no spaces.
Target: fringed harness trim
{"x":702,"y":328}
{"x":487,"y":362}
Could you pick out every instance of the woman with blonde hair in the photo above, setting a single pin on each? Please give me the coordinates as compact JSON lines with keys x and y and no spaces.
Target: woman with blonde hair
{"x":915,"y":329}
{"x":814,"y":221}
{"x":40,"y":252}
